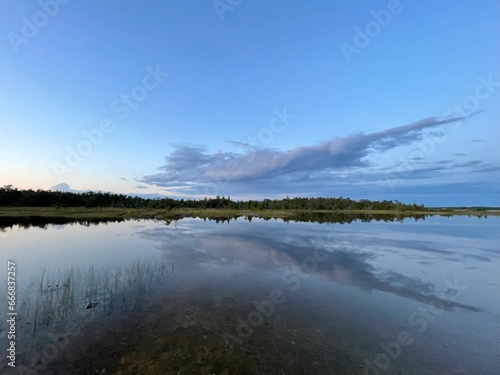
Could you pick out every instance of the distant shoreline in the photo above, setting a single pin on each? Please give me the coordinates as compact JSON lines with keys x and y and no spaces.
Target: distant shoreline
{"x":178,"y":213}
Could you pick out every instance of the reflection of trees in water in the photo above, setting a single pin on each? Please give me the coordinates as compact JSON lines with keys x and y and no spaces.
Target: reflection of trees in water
{"x":44,"y":222}
{"x":299,"y":216}
{"x":341,"y":218}
{"x":313,"y":217}
{"x":58,"y":302}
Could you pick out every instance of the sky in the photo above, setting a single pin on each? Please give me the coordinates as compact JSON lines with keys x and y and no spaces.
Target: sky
{"x":393,"y":100}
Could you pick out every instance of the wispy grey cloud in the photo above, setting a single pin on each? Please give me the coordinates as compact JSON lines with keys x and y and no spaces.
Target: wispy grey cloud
{"x":188,"y":166}
{"x":495,"y":168}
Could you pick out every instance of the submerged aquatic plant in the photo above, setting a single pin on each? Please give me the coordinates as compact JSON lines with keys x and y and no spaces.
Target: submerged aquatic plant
{"x":67,"y":301}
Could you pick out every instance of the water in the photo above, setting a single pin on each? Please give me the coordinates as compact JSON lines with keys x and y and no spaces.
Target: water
{"x":257,"y":297}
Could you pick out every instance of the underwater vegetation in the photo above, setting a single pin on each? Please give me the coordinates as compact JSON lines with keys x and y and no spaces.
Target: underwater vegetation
{"x":63,"y":303}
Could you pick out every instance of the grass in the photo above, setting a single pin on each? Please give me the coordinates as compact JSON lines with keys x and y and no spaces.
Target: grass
{"x":54,"y":301}
{"x":140,"y":213}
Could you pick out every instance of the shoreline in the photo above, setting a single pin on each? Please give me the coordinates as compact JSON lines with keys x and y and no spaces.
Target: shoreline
{"x":140,"y":213}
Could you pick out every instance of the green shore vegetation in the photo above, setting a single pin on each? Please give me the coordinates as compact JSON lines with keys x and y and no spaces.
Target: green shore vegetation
{"x":99,"y":205}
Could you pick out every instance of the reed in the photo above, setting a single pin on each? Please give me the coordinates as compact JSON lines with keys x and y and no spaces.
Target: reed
{"x":56,"y":301}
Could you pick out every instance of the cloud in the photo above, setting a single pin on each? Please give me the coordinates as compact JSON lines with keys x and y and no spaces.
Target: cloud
{"x":64,"y":187}
{"x":60,"y":187}
{"x":495,"y":168}
{"x":189,"y":168}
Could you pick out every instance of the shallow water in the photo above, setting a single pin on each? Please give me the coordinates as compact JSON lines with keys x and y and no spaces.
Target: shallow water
{"x":259,"y":297}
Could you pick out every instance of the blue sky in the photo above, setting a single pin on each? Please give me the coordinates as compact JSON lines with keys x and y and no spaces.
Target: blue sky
{"x":366,"y":99}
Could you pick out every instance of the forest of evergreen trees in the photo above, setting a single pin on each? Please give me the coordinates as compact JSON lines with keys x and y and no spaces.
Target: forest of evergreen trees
{"x":13,"y":197}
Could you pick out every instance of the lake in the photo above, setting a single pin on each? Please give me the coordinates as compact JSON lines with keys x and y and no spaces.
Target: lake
{"x":256,"y":296}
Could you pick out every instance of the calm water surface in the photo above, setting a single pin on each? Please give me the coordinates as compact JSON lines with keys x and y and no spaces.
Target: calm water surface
{"x":259,"y":297}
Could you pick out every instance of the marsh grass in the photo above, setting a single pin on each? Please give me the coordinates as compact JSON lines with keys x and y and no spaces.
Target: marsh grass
{"x":94,"y":215}
{"x":55,"y":302}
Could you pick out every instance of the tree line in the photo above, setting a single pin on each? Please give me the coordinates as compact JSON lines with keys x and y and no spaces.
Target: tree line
{"x":13,"y":197}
